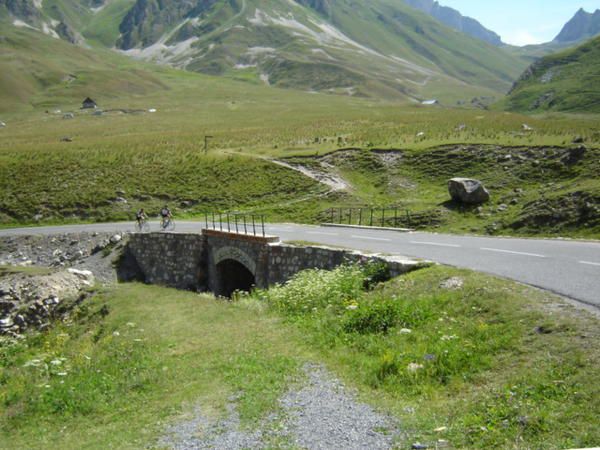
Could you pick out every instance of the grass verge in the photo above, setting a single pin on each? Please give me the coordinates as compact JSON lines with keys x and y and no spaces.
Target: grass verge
{"x":488,"y":363}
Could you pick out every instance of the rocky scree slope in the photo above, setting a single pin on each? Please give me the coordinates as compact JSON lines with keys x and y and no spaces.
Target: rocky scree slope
{"x":43,"y":278}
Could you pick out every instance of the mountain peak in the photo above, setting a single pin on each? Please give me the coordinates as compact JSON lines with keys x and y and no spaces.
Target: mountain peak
{"x":581,"y":27}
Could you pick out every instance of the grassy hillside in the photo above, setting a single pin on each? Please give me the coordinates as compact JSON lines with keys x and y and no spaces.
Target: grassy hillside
{"x":290,"y":44}
{"x":566,"y":81}
{"x":493,"y":362}
{"x":39,"y":72}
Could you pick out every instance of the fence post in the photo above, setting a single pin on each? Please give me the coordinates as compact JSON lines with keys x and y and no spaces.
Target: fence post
{"x":235,"y":219}
{"x":408,"y":218}
{"x":228,"y":224}
{"x":340,"y":215}
{"x":371,"y":222}
{"x":349,"y":216}
{"x":360,"y":217}
{"x":206,"y":220}
{"x":262,"y":220}
{"x":395,"y":217}
{"x":253,"y":226}
{"x":382,"y":217}
{"x":332,"y":215}
{"x":221,"y":221}
{"x":245,"y":228}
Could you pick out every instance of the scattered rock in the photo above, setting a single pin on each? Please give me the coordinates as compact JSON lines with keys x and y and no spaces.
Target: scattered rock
{"x":526,"y":127}
{"x":502,"y":207}
{"x":419,"y":446}
{"x":2,"y":124}
{"x":574,"y":155}
{"x":121,"y":200}
{"x":66,"y":139}
{"x":468,"y":191}
{"x":452,"y":284}
{"x":421,"y":134}
{"x":578,"y":140}
{"x":115,"y":239}
{"x":69,"y":116}
{"x":31,"y":301}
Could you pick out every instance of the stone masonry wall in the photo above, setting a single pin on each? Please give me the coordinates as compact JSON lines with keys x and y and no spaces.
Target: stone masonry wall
{"x":168,"y":259}
{"x":285,"y":261}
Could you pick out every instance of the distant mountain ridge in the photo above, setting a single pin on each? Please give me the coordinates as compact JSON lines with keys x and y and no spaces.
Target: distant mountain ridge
{"x":581,"y":27}
{"x":454,"y":19}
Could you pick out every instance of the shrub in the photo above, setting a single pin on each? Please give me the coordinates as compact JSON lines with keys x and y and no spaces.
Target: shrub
{"x":316,"y":290}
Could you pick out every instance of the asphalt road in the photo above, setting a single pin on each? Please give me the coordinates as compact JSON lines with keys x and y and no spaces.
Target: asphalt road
{"x":568,"y":268}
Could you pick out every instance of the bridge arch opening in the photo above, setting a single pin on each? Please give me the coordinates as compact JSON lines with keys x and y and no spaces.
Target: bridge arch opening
{"x":233,"y":276}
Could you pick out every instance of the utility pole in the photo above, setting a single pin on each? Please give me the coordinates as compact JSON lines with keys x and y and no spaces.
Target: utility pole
{"x":206,"y":138}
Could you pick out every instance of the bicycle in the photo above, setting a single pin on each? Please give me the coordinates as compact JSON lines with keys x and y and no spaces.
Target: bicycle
{"x":142,"y":226}
{"x":167,"y":224}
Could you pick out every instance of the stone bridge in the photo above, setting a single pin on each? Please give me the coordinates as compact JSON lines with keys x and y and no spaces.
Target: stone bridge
{"x":223,"y":262}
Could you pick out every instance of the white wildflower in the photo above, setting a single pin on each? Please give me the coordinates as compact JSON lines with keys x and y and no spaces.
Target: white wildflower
{"x":414,"y":367}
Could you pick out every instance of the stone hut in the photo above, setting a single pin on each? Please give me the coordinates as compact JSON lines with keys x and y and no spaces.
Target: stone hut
{"x":88,"y":103}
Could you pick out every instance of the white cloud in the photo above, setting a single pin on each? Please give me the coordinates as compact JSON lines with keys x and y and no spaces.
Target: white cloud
{"x":523,"y":37}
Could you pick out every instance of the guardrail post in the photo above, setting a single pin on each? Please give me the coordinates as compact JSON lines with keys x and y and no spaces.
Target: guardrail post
{"x":408,"y":218}
{"x":221,"y":221}
{"x":332,"y":215}
{"x":349,"y":216}
{"x":383,"y":217}
{"x":360,"y":217}
{"x":228,"y":224}
{"x":245,"y":228}
{"x":206,"y":219}
{"x":235,"y":219}
{"x":395,"y":217}
{"x":262,"y":220}
{"x":371,"y":222}
{"x":253,"y":226}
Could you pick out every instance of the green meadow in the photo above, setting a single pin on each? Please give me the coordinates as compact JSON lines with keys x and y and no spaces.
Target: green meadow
{"x":485,"y":365}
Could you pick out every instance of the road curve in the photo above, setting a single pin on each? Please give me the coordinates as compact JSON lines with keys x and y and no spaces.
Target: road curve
{"x":569,"y":268}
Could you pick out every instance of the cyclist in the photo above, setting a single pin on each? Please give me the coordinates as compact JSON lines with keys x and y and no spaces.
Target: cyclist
{"x":140,"y":217}
{"x":166,"y":216}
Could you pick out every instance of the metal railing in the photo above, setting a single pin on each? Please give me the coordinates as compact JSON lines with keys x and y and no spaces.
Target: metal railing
{"x":381,"y":217}
{"x":248,"y":224}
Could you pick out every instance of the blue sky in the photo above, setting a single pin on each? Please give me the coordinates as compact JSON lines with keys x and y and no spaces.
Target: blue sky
{"x":522,"y":22}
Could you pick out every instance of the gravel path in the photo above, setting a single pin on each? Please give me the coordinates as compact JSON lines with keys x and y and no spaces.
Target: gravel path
{"x":321,"y":414}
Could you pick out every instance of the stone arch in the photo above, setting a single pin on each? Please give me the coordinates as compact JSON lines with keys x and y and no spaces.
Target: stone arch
{"x":235,"y":254}
{"x":235,"y":270}
{"x":233,"y":276}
